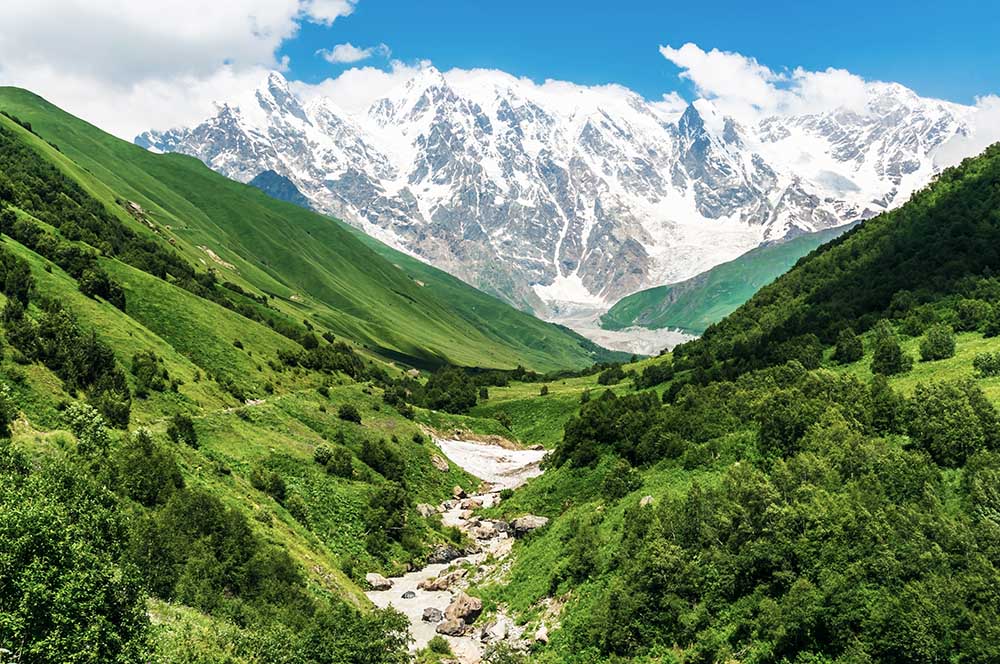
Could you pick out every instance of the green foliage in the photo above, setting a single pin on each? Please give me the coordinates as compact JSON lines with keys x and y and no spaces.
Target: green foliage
{"x":888,"y":358}
{"x":66,"y":594}
{"x":341,"y":463}
{"x":849,"y":348}
{"x":181,"y":430}
{"x":543,"y":391}
{"x":450,"y":389}
{"x":383,"y":458}
{"x":987,"y":364}
{"x":655,"y":374}
{"x":268,"y":481}
{"x":149,"y":373}
{"x":951,"y":421}
{"x":8,"y":410}
{"x":620,"y":480}
{"x":612,"y":375}
{"x":439,"y":645}
{"x":146,"y":473}
{"x":349,"y":413}
{"x":938,"y":343}
{"x":322,"y":454}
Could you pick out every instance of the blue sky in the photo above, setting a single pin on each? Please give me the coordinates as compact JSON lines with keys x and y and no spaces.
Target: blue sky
{"x":945,"y":49}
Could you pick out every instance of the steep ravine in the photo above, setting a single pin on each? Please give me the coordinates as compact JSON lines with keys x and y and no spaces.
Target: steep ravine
{"x":424,"y":596}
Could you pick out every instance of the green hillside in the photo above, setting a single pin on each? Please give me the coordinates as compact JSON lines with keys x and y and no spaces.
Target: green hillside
{"x":307,"y":266}
{"x":694,"y":304}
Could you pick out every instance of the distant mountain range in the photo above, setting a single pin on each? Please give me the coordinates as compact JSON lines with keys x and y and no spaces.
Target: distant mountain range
{"x":554,"y":195}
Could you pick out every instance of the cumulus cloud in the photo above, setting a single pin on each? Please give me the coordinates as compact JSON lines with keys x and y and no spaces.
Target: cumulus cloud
{"x":357,"y":88}
{"x":129,"y":65}
{"x":984,"y":130}
{"x":348,"y":53}
{"x":741,"y":86}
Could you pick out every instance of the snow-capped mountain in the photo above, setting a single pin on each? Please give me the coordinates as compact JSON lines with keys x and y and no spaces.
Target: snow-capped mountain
{"x":557,"y":194}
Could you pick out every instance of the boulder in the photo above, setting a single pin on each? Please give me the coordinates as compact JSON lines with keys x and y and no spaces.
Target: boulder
{"x":377,"y":581}
{"x":485,"y":530}
{"x":452,"y":627}
{"x":471,"y":504}
{"x":442,"y":582}
{"x":409,"y":594}
{"x":465,"y":608}
{"x":494,"y":631}
{"x":525,"y":524}
{"x":425,"y":510}
{"x":439,"y":463}
{"x":458,"y":492}
{"x":646,"y":501}
{"x":432,"y":615}
{"x":542,"y":635}
{"x":443,"y":553}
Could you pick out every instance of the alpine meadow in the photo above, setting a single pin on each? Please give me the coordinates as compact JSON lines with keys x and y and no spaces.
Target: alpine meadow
{"x":323,"y":342}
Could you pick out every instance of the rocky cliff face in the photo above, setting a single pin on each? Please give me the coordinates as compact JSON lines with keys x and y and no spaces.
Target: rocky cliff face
{"x":554,"y":197}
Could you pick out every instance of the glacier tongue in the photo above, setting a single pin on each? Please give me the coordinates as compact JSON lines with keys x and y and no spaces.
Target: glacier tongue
{"x":556,"y":195}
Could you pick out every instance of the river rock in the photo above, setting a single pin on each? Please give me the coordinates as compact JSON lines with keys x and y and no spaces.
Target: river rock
{"x":425,"y":510}
{"x":442,"y":582}
{"x":464,"y":607}
{"x":439,"y":463}
{"x":409,"y":594}
{"x":432,"y":615}
{"x":447,"y":505}
{"x":377,"y":581}
{"x":443,"y":553}
{"x":453,"y":627}
{"x":525,"y":524}
{"x":458,"y":492}
{"x":485,"y":530}
{"x":471,"y":504}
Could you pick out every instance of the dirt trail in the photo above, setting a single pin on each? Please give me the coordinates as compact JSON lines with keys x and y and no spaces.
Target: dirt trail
{"x":501,"y":469}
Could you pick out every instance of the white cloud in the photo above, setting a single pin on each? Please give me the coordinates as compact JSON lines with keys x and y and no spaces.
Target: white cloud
{"x":129,"y":66}
{"x":984,"y":130}
{"x":741,"y":86}
{"x":348,"y":53}
{"x":358,"y":87}
{"x":327,"y":11}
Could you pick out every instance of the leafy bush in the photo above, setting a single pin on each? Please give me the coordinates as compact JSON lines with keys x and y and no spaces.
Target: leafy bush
{"x":951,"y":421}
{"x":322,"y":454}
{"x":145,"y":472}
{"x":620,"y":480}
{"x":181,"y":430}
{"x":888,"y":358}
{"x":987,"y":364}
{"x":849,"y":347}
{"x":938,"y":343}
{"x":612,"y":375}
{"x":655,"y":374}
{"x":439,"y":645}
{"x":268,"y":481}
{"x":349,"y":413}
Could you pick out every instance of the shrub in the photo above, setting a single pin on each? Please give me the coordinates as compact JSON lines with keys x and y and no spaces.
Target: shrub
{"x":146,"y":473}
{"x":349,"y":413}
{"x":484,"y":393}
{"x":849,"y":347}
{"x":938,"y":343}
{"x":439,"y":645}
{"x":341,"y":463}
{"x":504,"y":419}
{"x":987,"y":364}
{"x":655,"y":374}
{"x":620,"y":480}
{"x":269,"y":482}
{"x":543,"y":391}
{"x":297,"y":507}
{"x":951,"y":421}
{"x":8,"y":410}
{"x":612,"y":375}
{"x":149,"y":373}
{"x":181,"y":430}
{"x":324,"y":391}
{"x":322,"y":454}
{"x":972,"y":314}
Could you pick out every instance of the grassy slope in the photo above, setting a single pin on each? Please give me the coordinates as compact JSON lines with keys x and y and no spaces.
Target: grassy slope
{"x":314,"y":268}
{"x":707,"y":298}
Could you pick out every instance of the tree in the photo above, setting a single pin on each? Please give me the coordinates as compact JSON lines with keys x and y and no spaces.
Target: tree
{"x":888,"y":358}
{"x":950,"y":421}
{"x":8,"y":410}
{"x":145,"y":472}
{"x":849,"y":347}
{"x":938,"y":343}
{"x":341,"y":463}
{"x":620,"y":480}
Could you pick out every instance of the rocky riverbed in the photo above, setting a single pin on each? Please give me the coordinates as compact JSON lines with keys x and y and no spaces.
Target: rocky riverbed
{"x":433,"y":598}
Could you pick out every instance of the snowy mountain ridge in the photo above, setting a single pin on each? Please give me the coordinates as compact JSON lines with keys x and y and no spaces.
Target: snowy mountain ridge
{"x":559,"y":196}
